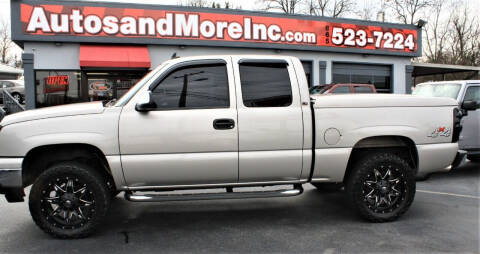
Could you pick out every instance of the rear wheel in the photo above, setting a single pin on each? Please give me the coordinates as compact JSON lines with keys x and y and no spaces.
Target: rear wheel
{"x":381,"y":187}
{"x":69,"y":200}
{"x":17,"y":97}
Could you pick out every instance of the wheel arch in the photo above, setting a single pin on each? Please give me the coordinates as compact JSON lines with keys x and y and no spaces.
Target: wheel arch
{"x":38,"y":159}
{"x":402,"y":145}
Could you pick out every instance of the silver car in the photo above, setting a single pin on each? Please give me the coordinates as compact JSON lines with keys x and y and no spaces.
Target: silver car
{"x":15,"y":87}
{"x":463,"y":91}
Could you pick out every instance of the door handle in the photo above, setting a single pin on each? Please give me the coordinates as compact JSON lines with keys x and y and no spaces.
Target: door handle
{"x":223,"y":124}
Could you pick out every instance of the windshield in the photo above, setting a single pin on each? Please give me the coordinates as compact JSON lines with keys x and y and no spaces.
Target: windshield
{"x":126,"y":97}
{"x":438,"y":90}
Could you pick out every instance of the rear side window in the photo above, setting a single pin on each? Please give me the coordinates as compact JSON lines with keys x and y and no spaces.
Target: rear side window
{"x":265,"y":84}
{"x":342,"y":89}
{"x":363,"y":89}
{"x":472,"y":94}
{"x":193,"y":87}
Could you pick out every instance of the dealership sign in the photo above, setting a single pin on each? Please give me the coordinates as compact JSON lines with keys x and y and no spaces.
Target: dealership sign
{"x":120,"y":23}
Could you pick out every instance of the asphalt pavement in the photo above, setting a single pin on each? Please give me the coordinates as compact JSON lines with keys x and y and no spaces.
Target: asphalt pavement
{"x":443,"y":218}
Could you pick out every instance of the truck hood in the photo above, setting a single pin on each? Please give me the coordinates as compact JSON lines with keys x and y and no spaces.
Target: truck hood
{"x":56,"y":111}
{"x":379,"y":100}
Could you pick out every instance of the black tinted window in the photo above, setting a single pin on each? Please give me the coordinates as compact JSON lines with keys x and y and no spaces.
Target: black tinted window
{"x":472,"y":94}
{"x":199,"y":86}
{"x":265,"y":85}
{"x":342,"y":89}
{"x":363,"y":89}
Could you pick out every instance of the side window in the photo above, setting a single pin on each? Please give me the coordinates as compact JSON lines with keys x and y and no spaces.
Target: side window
{"x":342,"y":89}
{"x":193,"y":87}
{"x":363,"y":89}
{"x":265,"y":84}
{"x":472,"y":94}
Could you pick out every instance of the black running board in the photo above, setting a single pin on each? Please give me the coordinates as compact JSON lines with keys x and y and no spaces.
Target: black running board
{"x":297,"y":190}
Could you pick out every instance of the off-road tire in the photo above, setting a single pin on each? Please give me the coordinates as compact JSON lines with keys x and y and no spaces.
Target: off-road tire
{"x":97,"y":191}
{"x":362,"y":171}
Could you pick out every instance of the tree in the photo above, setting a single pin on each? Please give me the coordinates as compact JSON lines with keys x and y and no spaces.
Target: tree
{"x":285,"y":6}
{"x":331,"y":8}
{"x":407,"y":11}
{"x":437,"y":34}
{"x":464,"y":33}
{"x":206,"y":3}
{"x":6,"y":43}
{"x":195,"y":3}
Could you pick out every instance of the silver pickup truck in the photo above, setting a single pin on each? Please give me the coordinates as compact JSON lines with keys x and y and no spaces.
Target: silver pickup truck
{"x":223,"y":123}
{"x":463,"y":91}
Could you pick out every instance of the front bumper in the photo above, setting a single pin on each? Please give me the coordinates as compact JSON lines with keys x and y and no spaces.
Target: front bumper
{"x":11,"y":179}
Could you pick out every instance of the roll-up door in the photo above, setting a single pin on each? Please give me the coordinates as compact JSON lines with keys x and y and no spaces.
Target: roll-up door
{"x":379,"y":75}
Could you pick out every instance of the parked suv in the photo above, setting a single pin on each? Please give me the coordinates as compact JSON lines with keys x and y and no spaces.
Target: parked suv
{"x":15,"y":87}
{"x":464,"y":91}
{"x":343,"y":88}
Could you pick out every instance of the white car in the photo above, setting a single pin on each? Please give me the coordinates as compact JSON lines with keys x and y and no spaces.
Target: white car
{"x":16,"y":88}
{"x":224,"y":123}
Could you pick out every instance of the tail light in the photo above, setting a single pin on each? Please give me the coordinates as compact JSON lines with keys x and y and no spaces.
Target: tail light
{"x":457,"y":126}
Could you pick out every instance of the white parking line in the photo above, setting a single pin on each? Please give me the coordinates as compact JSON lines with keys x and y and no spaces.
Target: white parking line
{"x":449,"y":194}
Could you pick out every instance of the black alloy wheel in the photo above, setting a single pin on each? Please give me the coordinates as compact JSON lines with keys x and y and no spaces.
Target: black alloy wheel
{"x":67,"y":203}
{"x":381,"y":186}
{"x":384,"y":189}
{"x":69,"y":200}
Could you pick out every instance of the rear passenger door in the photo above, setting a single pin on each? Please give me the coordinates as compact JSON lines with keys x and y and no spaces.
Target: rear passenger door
{"x":270,"y":124}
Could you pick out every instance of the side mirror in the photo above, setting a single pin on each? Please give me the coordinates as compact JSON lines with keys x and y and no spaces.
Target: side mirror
{"x":470,"y":105}
{"x":145,"y":103}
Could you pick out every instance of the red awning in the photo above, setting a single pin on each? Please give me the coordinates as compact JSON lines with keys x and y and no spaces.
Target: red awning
{"x":114,"y":56}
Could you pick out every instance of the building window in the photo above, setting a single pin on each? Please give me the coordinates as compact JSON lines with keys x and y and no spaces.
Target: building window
{"x":265,"y":84}
{"x":193,"y":87}
{"x":57,"y":87}
{"x":307,"y":67}
{"x":378,"y":75}
{"x":107,"y":85}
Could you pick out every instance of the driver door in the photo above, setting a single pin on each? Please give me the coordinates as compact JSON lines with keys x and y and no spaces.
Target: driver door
{"x":183,"y":141}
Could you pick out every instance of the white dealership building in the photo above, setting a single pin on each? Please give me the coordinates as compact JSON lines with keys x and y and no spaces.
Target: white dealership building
{"x":84,"y":51}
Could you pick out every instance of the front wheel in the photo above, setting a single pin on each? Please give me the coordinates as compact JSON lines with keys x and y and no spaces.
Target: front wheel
{"x":381,"y":186}
{"x":69,"y":200}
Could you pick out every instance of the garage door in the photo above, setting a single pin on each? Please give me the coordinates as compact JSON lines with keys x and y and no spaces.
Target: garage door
{"x":379,"y":75}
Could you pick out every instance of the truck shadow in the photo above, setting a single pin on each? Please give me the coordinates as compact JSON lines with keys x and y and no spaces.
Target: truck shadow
{"x":200,"y":218}
{"x":466,"y":171}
